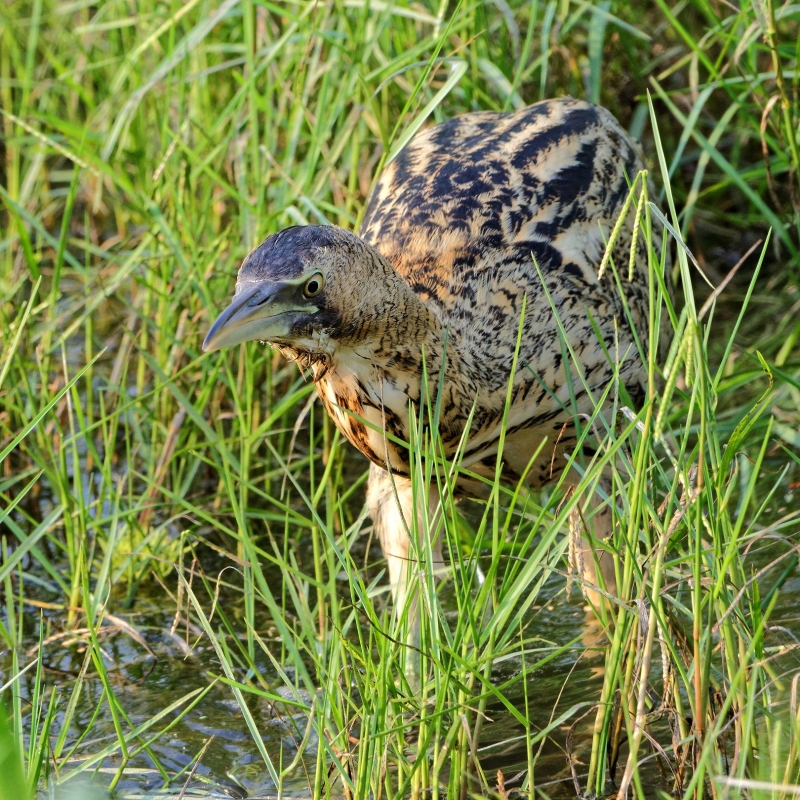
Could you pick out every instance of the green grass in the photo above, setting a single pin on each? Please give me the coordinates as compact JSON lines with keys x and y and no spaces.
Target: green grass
{"x":145,"y":149}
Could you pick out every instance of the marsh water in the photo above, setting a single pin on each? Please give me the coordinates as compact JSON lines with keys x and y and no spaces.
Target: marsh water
{"x":155,"y":655}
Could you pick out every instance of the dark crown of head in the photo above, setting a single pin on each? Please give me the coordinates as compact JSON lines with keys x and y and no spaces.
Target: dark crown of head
{"x":286,"y":254}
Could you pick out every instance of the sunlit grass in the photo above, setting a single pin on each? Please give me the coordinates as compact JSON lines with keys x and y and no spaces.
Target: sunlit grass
{"x":146,"y":148}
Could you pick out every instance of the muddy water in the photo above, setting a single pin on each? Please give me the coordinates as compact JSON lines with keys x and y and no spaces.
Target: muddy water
{"x":148,"y":682}
{"x":165,"y":664}
{"x":158,"y":666}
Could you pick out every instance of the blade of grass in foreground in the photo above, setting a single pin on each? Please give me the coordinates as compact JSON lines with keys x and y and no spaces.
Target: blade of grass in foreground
{"x":13,"y":785}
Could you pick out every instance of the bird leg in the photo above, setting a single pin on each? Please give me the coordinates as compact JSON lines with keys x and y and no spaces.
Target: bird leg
{"x":391,"y":505}
{"x":595,"y":566}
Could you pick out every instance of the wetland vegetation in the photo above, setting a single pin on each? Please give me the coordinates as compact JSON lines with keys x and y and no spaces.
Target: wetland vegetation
{"x":192,"y":602}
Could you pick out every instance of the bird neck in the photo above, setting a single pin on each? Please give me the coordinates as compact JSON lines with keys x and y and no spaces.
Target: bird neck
{"x":393,"y":328}
{"x":390,"y":362}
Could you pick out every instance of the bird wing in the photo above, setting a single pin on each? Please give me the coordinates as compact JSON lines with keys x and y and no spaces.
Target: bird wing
{"x":469,"y":209}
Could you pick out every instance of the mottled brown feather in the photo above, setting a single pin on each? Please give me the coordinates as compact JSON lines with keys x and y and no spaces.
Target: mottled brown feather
{"x":463,"y":213}
{"x":473,"y":216}
{"x":470,"y":218}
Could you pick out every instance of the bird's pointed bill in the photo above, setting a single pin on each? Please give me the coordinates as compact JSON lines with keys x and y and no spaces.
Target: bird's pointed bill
{"x":261,"y":311}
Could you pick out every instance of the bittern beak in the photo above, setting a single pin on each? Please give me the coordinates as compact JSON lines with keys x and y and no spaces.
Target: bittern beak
{"x":263,"y":311}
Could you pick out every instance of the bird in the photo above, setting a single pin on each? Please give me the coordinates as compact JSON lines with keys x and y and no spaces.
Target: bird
{"x":477,"y":260}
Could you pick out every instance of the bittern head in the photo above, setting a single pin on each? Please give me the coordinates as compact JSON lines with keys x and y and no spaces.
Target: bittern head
{"x":297,"y":287}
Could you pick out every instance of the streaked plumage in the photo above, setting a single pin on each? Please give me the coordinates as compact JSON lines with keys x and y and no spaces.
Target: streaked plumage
{"x":445,"y":256}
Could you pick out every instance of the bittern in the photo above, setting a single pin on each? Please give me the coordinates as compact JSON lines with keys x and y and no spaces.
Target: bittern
{"x":473,"y":217}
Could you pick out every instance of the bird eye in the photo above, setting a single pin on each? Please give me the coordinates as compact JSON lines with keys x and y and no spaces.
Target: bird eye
{"x":313,"y":286}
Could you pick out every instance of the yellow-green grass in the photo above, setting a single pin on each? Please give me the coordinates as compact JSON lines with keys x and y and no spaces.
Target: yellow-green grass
{"x":146,"y":147}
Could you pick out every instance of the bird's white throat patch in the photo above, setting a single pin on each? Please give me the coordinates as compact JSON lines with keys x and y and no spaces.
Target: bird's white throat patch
{"x":361,"y":397}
